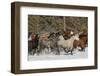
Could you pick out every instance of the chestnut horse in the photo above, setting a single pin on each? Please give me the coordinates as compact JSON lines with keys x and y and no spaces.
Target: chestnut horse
{"x":81,"y":42}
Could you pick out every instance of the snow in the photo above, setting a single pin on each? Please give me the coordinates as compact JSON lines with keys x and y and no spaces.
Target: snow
{"x":76,"y":55}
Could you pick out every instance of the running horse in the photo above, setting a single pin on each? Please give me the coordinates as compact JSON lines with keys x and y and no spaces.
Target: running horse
{"x":82,"y":42}
{"x":44,"y":43}
{"x":67,"y":44}
{"x":33,"y":42}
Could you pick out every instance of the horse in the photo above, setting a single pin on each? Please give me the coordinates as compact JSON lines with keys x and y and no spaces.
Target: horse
{"x":84,"y":37}
{"x":53,"y":42}
{"x":81,"y":42}
{"x":67,"y":44}
{"x":44,"y":43}
{"x":33,"y":42}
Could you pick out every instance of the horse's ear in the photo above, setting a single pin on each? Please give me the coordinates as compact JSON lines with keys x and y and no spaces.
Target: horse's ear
{"x":80,"y":33}
{"x":77,"y":35}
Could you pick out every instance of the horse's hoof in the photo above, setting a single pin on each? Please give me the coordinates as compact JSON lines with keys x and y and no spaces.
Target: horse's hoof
{"x":57,"y":54}
{"x":71,"y":53}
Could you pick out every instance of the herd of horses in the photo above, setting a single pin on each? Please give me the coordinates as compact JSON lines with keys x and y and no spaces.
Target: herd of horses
{"x":56,"y":42}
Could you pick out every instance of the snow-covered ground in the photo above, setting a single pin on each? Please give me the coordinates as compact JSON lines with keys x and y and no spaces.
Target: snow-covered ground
{"x":76,"y":55}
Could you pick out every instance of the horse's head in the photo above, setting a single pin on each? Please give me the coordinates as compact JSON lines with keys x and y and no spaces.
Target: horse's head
{"x":75,"y":37}
{"x":61,"y":37}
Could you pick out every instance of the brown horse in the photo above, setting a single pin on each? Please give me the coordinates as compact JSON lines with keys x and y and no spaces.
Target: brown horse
{"x":81,"y":42}
{"x":84,"y":37}
{"x":33,"y":42}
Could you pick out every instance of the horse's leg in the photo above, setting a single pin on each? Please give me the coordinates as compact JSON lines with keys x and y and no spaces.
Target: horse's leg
{"x":58,"y":51}
{"x":34,"y":51}
{"x":51,"y":49}
{"x":80,"y":48}
{"x":65,"y":50}
{"x":68,"y":50}
{"x":29,"y":50}
{"x":83,"y":49}
{"x":71,"y":51}
{"x":39,"y":51}
{"x":48,"y":50}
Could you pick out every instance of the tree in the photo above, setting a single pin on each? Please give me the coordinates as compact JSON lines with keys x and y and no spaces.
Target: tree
{"x":40,"y":23}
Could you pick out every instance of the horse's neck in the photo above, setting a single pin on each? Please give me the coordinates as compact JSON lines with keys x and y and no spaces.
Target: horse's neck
{"x":72,"y":39}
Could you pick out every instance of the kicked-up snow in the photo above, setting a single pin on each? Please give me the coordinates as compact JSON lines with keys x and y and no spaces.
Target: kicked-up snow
{"x":50,"y":56}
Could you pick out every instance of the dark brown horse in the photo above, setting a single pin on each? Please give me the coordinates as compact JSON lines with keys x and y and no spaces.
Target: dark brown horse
{"x":33,"y":43}
{"x":82,"y":42}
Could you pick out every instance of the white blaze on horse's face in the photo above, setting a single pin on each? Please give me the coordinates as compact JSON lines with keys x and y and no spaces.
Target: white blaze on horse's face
{"x":71,"y":32}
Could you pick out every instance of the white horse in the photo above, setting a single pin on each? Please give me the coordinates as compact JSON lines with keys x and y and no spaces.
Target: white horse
{"x":67,"y":44}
